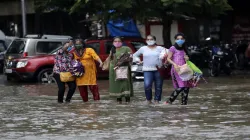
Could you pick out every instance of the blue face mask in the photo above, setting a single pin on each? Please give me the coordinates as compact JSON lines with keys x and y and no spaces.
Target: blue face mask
{"x":69,"y":49}
{"x":180,"y":42}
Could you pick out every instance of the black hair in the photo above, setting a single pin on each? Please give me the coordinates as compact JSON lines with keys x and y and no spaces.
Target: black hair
{"x":152,"y":37}
{"x":82,"y":42}
{"x":117,"y":37}
{"x":179,"y":34}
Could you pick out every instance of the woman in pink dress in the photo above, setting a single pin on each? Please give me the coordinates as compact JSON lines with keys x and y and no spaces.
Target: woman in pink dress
{"x":177,"y":56}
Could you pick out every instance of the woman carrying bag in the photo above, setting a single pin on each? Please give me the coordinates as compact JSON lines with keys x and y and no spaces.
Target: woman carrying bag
{"x":63,"y":73}
{"x":180,"y":72}
{"x":87,"y":56}
{"x":120,"y":80}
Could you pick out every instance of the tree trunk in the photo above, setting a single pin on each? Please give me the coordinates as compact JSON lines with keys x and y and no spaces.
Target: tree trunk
{"x":166,"y":32}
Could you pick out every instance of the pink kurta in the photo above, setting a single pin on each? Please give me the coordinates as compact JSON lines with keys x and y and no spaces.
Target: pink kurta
{"x":178,"y":58}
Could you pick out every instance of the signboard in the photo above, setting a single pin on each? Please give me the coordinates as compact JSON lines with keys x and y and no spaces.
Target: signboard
{"x":241,"y":29}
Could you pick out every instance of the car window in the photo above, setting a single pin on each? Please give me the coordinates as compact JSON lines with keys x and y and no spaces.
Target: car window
{"x":7,"y":42}
{"x":47,"y":47}
{"x":2,"y":46}
{"x":95,"y":46}
{"x":137,"y":44}
{"x":108,"y":46}
{"x":16,"y":47}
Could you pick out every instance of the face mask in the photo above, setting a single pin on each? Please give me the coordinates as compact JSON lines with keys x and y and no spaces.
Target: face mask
{"x":69,"y":49}
{"x":117,"y":44}
{"x":79,"y":46}
{"x":180,"y":42}
{"x":151,"y":42}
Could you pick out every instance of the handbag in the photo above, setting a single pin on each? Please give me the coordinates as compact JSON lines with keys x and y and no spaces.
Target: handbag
{"x":66,"y":77}
{"x":164,"y":70}
{"x":121,"y":73}
{"x":106,"y":63}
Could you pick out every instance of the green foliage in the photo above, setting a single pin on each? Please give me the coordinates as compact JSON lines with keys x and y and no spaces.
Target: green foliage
{"x":53,"y":5}
{"x":141,"y":9}
{"x":145,"y":9}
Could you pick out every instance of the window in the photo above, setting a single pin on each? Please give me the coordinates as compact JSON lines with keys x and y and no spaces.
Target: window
{"x":137,"y":45}
{"x":2,"y":46}
{"x":8,"y":42}
{"x":47,"y":47}
{"x":108,"y":46}
{"x":17,"y":47}
{"x":95,"y":46}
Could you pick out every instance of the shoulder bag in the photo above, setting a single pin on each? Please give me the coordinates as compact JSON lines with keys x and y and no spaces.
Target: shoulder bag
{"x":66,"y":77}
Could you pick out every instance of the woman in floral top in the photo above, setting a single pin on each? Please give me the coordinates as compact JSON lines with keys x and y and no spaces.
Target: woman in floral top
{"x":63,"y":64}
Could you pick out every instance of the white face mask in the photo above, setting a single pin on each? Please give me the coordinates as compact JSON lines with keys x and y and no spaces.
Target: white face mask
{"x":151,"y":42}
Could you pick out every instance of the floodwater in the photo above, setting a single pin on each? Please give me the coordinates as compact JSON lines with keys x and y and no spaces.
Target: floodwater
{"x":219,"y":110}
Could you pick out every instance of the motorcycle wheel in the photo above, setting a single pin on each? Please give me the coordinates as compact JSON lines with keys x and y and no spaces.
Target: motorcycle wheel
{"x":214,"y":71}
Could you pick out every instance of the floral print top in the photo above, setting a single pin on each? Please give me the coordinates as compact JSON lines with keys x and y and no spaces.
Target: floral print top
{"x":62,"y":62}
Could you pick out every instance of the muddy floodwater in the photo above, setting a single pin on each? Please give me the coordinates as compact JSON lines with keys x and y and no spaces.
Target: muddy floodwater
{"x":219,"y":110}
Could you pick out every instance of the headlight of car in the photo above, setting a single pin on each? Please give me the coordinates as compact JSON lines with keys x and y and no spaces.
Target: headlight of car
{"x":219,"y":52}
{"x":134,"y":68}
{"x":21,"y":64}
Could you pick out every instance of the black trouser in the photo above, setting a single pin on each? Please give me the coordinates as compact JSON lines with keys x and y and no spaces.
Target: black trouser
{"x":127,"y":99}
{"x":61,"y":89}
{"x":184,"y":93}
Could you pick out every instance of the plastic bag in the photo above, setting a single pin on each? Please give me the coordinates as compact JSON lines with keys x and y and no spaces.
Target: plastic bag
{"x":194,"y":67}
{"x":185,"y":72}
{"x":78,"y":68}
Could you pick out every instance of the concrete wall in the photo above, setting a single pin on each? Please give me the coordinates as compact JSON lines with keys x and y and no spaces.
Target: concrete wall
{"x":156,"y":30}
{"x":13,"y":7}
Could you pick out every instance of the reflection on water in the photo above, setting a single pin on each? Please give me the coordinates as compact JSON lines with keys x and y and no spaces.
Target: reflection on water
{"x":215,"y":111}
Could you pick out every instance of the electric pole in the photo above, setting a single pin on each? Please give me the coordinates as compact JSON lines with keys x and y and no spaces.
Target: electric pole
{"x":24,"y":17}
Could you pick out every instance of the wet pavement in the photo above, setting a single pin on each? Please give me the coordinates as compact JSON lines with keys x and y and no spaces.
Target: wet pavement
{"x":219,"y":110}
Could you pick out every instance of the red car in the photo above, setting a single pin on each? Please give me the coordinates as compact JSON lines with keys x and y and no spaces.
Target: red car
{"x":41,"y":67}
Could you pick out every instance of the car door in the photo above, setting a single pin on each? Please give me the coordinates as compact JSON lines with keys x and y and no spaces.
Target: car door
{"x":96,"y":46}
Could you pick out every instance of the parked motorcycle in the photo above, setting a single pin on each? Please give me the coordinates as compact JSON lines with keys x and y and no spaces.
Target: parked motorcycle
{"x":221,"y":60}
{"x":198,"y":55}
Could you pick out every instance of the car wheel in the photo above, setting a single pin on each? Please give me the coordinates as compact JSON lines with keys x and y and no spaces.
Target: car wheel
{"x":46,"y":76}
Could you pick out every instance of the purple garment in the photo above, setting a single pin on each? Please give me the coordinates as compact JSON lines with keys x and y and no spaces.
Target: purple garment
{"x":78,"y":68}
{"x":178,"y":58}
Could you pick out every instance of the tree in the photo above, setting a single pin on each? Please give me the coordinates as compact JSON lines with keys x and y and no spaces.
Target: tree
{"x":143,"y":10}
{"x":53,"y":5}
